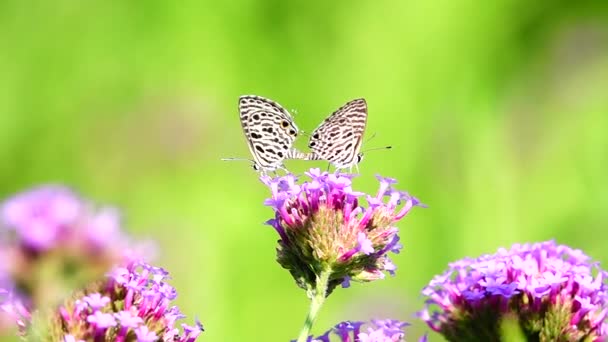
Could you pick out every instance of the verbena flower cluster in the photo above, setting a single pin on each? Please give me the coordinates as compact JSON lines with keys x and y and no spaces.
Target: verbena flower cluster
{"x":387,"y":330}
{"x":556,"y":293}
{"x":14,"y":313}
{"x":49,"y":218}
{"x":323,"y":227}
{"x":52,"y":241}
{"x":133,"y":304}
{"x":329,"y":235}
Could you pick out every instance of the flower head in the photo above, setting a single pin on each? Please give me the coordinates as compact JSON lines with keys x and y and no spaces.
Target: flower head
{"x":375,"y":331}
{"x":553,"y":290}
{"x":39,"y":217}
{"x":51,"y":217}
{"x":51,"y":241}
{"x":132,"y":304}
{"x":323,"y":226}
{"x":14,"y":313}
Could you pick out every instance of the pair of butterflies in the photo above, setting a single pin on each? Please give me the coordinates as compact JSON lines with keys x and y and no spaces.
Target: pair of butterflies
{"x":270,"y":132}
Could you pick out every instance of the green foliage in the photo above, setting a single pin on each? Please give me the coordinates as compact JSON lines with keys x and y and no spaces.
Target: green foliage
{"x":496,"y":111}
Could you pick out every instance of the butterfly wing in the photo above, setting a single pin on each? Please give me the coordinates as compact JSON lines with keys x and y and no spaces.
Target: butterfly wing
{"x":269,"y":130}
{"x":338,"y":138}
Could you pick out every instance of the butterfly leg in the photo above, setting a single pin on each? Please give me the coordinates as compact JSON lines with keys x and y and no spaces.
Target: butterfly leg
{"x":328,"y":165}
{"x":284,"y":169}
{"x":357,"y":167}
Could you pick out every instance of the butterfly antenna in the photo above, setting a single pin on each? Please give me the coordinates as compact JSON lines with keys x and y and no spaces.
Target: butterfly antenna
{"x":377,"y":148}
{"x":238,"y":159}
{"x":370,"y":138}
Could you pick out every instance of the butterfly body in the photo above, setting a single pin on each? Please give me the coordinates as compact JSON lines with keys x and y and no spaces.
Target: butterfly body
{"x":339,"y":137}
{"x":270,"y":132}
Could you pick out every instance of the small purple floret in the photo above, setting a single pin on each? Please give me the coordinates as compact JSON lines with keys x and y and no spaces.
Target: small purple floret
{"x":364,"y":245}
{"x":101,"y":320}
{"x":96,"y":301}
{"x":13,"y":307}
{"x":145,"y":335}
{"x":128,"y":319}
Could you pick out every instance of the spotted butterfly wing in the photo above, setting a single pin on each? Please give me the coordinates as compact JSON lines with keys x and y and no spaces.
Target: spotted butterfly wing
{"x":338,"y":138}
{"x":270,"y":132}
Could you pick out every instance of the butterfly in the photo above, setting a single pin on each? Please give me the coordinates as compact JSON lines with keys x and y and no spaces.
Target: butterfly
{"x":339,"y":137}
{"x":270,"y":132}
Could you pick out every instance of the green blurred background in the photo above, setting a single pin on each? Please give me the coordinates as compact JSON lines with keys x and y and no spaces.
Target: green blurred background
{"x":497,"y":111}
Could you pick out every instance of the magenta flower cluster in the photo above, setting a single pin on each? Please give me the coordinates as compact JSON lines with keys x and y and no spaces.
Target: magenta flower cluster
{"x":323,"y":226}
{"x":52,"y":241}
{"x":133,"y":304}
{"x":555,"y":292}
{"x":14,"y":313}
{"x":387,"y":330}
{"x":53,"y":217}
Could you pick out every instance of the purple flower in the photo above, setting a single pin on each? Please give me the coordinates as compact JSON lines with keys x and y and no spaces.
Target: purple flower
{"x":323,"y":225}
{"x":40,"y":216}
{"x":101,"y":320}
{"x":128,"y":319}
{"x":376,"y":331}
{"x":14,"y":314}
{"x":134,"y":301}
{"x":102,"y":228}
{"x":70,"y":338}
{"x":96,"y":301}
{"x":192,"y":332}
{"x":344,"y":329}
{"x":384,"y":330}
{"x":53,"y":217}
{"x":364,"y":245}
{"x":554,"y":291}
{"x":51,"y":226}
{"x":145,"y":335}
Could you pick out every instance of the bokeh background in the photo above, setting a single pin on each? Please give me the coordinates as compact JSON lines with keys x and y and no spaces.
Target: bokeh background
{"x":497,"y":112}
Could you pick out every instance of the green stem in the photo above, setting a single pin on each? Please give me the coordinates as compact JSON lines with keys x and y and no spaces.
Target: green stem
{"x":317,"y":297}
